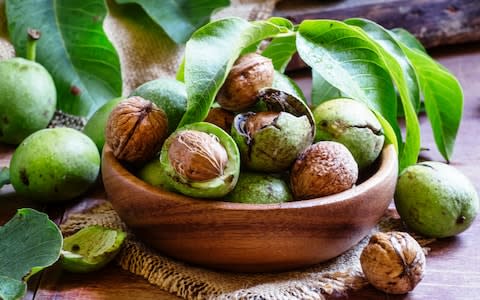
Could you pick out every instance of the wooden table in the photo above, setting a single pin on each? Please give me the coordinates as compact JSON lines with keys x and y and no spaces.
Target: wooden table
{"x":453,"y":265}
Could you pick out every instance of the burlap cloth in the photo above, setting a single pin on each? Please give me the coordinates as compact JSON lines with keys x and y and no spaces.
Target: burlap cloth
{"x":146,"y":53}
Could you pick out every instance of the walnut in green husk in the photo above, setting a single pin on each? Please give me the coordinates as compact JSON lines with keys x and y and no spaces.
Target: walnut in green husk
{"x":200,"y":160}
{"x":271,"y":140}
{"x":27,"y":95}
{"x":393,"y":262}
{"x":260,"y":189}
{"x":352,"y":124}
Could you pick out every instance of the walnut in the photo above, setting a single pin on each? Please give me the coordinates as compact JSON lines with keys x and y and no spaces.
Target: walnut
{"x":197,"y":155}
{"x":323,"y":169}
{"x":250,"y":73}
{"x":393,"y":262}
{"x":260,"y":120}
{"x":220,"y":117}
{"x":136,"y":129}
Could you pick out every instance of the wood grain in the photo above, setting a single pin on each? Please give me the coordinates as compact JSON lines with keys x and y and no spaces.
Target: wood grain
{"x":433,"y":22}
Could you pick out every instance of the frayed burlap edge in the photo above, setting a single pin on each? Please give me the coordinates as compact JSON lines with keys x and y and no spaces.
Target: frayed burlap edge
{"x":336,"y":276}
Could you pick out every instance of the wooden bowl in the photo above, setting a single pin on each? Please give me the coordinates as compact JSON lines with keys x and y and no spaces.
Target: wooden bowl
{"x":250,"y":237}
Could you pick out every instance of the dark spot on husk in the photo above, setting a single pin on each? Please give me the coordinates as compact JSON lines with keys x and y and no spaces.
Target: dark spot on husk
{"x":425,"y":165}
{"x":229,"y":179}
{"x":461,"y":219}
{"x":24,"y":176}
{"x":75,"y":90}
{"x":75,"y":248}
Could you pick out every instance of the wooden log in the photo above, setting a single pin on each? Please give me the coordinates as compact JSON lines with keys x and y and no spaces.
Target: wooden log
{"x":433,"y":22}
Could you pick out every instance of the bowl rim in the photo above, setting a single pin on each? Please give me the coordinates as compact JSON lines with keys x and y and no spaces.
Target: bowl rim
{"x":388,"y":161}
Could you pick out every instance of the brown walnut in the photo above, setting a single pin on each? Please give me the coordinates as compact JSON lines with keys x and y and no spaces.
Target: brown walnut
{"x":250,"y":73}
{"x":136,"y":129}
{"x":323,"y":169}
{"x":260,"y":120}
{"x":220,"y":117}
{"x":393,"y":262}
{"x":197,"y":155}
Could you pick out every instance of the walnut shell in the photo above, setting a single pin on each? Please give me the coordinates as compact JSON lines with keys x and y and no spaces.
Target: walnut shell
{"x":323,"y":169}
{"x":260,"y":120}
{"x":250,"y":73}
{"x":197,"y":155}
{"x":393,"y":262}
{"x":136,"y":129}
{"x":220,"y":117}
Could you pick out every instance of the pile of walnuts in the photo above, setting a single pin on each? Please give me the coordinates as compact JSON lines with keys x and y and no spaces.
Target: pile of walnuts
{"x":269,"y":141}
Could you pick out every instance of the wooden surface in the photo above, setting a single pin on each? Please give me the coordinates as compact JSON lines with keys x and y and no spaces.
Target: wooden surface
{"x":433,"y":22}
{"x":240,"y":237}
{"x":453,"y":265}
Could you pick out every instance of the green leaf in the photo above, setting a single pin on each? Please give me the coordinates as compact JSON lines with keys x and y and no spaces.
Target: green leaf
{"x":387,"y":41}
{"x":209,"y":56}
{"x":388,"y":131}
{"x":29,"y":242}
{"x":408,"y":39}
{"x":282,"y":22}
{"x":348,"y":60}
{"x":322,"y":90}
{"x":73,"y":48}
{"x":405,"y":80}
{"x":11,"y":288}
{"x":181,"y":71}
{"x":281,"y":49}
{"x":284,"y":83}
{"x":4,"y":176}
{"x":179,"y":18}
{"x":443,"y":98}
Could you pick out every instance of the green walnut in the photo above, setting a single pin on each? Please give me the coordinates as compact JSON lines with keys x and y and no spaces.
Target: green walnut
{"x":270,"y":141}
{"x":260,"y":189}
{"x":200,"y":160}
{"x":352,"y":124}
{"x":27,"y":98}
{"x":169,"y":95}
{"x":54,"y":164}
{"x":435,"y":199}
{"x":91,"y":248}
{"x":95,"y":127}
{"x":151,"y":174}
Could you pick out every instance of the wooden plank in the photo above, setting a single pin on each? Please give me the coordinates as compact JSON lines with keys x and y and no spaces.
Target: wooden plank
{"x":433,"y":22}
{"x":108,"y":283}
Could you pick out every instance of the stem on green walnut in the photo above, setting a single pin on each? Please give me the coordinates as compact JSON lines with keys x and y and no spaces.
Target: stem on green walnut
{"x":33,"y":36}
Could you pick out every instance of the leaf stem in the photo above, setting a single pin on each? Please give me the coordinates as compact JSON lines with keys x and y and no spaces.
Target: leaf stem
{"x":33,"y":36}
